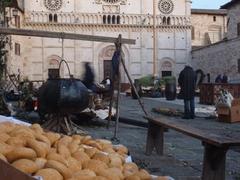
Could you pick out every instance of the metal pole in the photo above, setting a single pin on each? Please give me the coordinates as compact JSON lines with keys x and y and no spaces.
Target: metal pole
{"x":154,"y":38}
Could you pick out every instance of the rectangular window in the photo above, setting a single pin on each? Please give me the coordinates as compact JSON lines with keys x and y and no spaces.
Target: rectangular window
{"x":193,"y":33}
{"x":238,"y":29}
{"x":17,"y":49}
{"x":214,"y":18}
{"x":17,"y":21}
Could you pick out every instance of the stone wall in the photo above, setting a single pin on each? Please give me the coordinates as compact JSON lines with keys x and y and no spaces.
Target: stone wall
{"x":234,"y":19}
{"x":204,"y":24}
{"x":87,"y":17}
{"x":219,"y":58}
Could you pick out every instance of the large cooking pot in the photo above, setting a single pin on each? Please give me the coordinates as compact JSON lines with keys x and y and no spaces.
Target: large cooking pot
{"x":63,"y":96}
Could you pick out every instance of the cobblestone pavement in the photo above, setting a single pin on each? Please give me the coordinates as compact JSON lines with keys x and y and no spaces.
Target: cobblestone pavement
{"x":183,"y":155}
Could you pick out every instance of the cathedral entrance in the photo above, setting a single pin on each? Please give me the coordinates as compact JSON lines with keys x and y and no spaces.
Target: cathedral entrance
{"x":107,"y":68}
{"x":53,"y":67}
{"x":166,"y":68}
{"x":105,"y":55}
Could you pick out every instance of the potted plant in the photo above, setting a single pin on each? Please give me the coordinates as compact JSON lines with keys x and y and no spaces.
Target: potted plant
{"x":170,"y":88}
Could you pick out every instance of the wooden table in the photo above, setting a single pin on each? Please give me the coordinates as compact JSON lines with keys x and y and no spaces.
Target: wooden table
{"x":215,"y":144}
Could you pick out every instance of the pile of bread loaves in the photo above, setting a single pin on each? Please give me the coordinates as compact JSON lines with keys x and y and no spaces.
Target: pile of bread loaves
{"x":57,"y":157}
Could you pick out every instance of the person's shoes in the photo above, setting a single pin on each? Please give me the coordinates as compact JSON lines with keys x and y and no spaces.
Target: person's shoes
{"x":192,"y":117}
{"x":185,"y":117}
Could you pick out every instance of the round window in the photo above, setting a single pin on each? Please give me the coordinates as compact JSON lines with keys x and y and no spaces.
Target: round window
{"x":166,"y":6}
{"x":53,"y":5}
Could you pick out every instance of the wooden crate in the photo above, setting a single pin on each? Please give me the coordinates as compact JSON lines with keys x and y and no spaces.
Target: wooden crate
{"x":230,"y":115}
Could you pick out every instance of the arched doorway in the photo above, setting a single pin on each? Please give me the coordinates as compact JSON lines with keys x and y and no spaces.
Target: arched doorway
{"x":166,"y":68}
{"x":105,"y":63}
{"x":53,"y":66}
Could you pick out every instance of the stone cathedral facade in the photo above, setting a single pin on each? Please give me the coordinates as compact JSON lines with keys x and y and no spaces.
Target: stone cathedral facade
{"x":134,"y":19}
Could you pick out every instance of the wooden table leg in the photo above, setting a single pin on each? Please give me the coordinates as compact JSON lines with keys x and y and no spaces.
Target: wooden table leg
{"x":214,"y":162}
{"x":155,"y":139}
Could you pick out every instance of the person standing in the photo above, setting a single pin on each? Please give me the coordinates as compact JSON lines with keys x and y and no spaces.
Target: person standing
{"x":187,"y":82}
{"x":225,"y":78}
{"x":218,"y":79}
{"x":88,"y":79}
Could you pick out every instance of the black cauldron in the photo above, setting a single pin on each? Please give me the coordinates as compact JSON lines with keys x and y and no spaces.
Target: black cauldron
{"x":63,"y":96}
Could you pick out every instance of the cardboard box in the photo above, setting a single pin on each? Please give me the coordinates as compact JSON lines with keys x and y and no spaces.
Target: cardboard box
{"x":7,"y":172}
{"x":229,"y":115}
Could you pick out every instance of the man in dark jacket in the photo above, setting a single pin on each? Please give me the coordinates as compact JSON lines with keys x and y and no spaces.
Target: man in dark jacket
{"x":187,"y":83}
{"x":88,"y":79}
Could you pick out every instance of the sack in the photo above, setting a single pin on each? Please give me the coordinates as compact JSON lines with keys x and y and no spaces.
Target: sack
{"x":225,"y":99}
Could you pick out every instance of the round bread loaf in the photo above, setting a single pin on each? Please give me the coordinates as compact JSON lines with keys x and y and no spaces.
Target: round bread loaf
{"x":52,"y":137}
{"x":74,"y":165}
{"x":40,"y":148}
{"x":7,"y":127}
{"x":129,"y":169}
{"x":49,"y":174}
{"x":42,"y":138}
{"x":4,"y":137}
{"x":40,"y":162}
{"x":36,"y":128}
{"x":95,"y":165}
{"x":108,"y":174}
{"x":93,"y":143}
{"x":73,"y":146}
{"x":90,"y":151}
{"x":61,"y":168}
{"x":5,"y":148}
{"x":17,"y":141}
{"x":102,"y":157}
{"x":57,"y":157}
{"x":117,"y":172}
{"x":25,"y":165}
{"x":115,"y":161}
{"x":21,"y":153}
{"x":81,"y":156}
{"x":84,"y":173}
{"x":63,"y":150}
{"x":22,"y":132}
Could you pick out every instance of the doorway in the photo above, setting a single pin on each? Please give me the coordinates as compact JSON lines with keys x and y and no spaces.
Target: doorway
{"x":107,"y":68}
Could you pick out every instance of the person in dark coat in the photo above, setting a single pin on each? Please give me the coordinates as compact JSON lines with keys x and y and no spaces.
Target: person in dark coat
{"x":218,"y":79}
{"x":88,"y":79}
{"x":224,"y":78}
{"x":187,"y":82}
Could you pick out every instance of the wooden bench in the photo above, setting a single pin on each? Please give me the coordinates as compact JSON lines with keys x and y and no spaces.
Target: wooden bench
{"x":215,"y":144}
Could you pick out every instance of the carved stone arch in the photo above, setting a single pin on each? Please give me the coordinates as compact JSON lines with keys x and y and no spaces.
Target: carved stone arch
{"x":64,"y":19}
{"x":68,"y":18}
{"x":95,"y":19}
{"x":91,"y":19}
{"x":105,"y":52}
{"x":173,"y":20}
{"x":130,"y":20}
{"x":53,"y":62}
{"x":135,"y":20}
{"x":166,"y":65}
{"x":127,"y":21}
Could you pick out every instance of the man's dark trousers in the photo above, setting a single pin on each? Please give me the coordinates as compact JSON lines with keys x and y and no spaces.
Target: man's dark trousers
{"x":189,"y":108}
